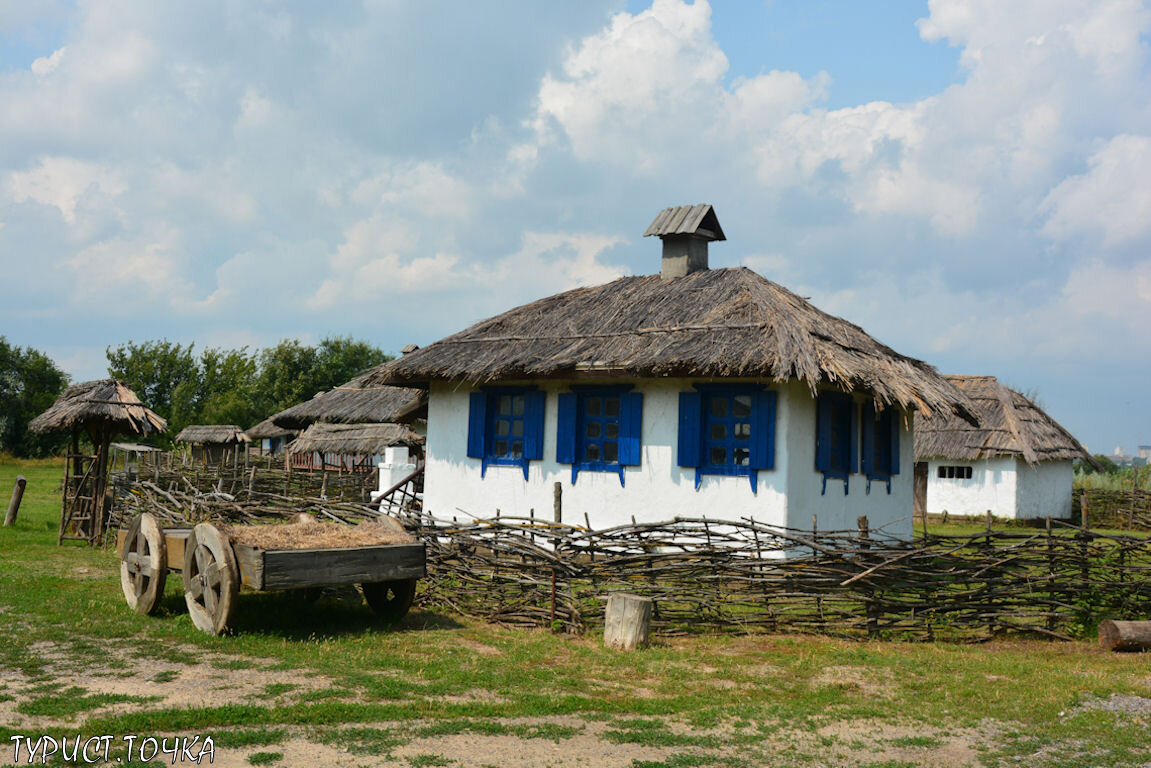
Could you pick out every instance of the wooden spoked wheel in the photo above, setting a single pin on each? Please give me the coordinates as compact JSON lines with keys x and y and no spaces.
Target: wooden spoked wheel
{"x":211,"y":579}
{"x":143,"y":564}
{"x":390,"y":599}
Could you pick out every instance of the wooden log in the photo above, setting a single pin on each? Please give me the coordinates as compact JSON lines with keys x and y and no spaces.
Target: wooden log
{"x":627,"y":621}
{"x":1125,"y":635}
{"x":14,"y":504}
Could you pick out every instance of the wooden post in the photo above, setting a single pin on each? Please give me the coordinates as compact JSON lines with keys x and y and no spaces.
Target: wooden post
{"x":865,"y":545}
{"x":627,"y":621}
{"x":559,"y":502}
{"x":14,"y":504}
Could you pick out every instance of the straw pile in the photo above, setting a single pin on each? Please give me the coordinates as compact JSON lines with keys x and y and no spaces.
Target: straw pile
{"x":712,"y":323}
{"x":105,"y":401}
{"x":309,"y":533}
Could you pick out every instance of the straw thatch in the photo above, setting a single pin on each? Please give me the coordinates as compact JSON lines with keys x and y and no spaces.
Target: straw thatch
{"x":711,"y":323}
{"x":106,"y":402}
{"x":212,"y":434}
{"x":357,"y":402}
{"x":268,"y":430}
{"x":1009,"y":425}
{"x":354,"y":439}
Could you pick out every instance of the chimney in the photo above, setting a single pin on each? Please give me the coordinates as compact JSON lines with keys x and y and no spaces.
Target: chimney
{"x":685,"y":231}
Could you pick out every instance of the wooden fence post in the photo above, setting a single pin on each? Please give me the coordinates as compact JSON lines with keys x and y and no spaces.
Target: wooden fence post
{"x":627,"y":621}
{"x":14,"y":504}
{"x":558,"y":503}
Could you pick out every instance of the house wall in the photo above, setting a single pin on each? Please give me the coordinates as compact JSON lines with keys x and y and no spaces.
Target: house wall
{"x":992,"y":486}
{"x":658,"y":489}
{"x":1044,"y":489}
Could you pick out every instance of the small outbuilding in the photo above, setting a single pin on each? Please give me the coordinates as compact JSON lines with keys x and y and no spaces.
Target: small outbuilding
{"x":1016,"y":463}
{"x":358,"y":402}
{"x":351,"y":447}
{"x":213,"y":445}
{"x":692,"y":392}
{"x":268,"y":438}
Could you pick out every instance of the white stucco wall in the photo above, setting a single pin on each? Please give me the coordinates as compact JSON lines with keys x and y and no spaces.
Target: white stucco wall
{"x":658,"y":489}
{"x":1009,"y":487}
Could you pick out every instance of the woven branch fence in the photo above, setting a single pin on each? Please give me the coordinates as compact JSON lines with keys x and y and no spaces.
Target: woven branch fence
{"x":1123,"y":510}
{"x":743,"y":576}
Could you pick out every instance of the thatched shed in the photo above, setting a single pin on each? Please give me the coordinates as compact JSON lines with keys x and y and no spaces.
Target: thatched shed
{"x":270,"y":438}
{"x":1016,"y":462}
{"x":213,"y":444}
{"x":357,"y":402}
{"x":102,"y":409}
{"x":691,"y":385}
{"x":351,"y":447}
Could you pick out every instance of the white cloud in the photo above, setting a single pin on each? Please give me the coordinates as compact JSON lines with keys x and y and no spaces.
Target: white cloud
{"x":46,"y":65}
{"x":62,"y":181}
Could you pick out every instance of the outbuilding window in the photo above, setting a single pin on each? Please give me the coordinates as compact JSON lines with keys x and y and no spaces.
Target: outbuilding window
{"x":836,"y":437}
{"x":505,"y":427}
{"x":955,"y":473}
{"x":727,"y":429}
{"x":880,"y":433}
{"x":598,"y":429}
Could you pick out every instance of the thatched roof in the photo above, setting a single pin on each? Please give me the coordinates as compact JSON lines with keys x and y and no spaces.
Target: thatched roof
{"x":1009,"y":425}
{"x":711,"y":323}
{"x":268,"y":429}
{"x":354,"y":439}
{"x":106,"y":401}
{"x":212,"y":434}
{"x":353,"y":403}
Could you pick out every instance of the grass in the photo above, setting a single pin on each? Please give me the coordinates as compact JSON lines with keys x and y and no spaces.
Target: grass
{"x":331,"y":674}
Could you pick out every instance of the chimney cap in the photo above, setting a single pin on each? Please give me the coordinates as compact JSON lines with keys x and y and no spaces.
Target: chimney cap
{"x":696,"y":220}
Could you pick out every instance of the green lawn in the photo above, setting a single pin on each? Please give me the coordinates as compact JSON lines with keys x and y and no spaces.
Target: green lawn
{"x":331,"y":679}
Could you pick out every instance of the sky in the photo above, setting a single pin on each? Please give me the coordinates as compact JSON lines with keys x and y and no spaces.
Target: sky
{"x":967,"y":180}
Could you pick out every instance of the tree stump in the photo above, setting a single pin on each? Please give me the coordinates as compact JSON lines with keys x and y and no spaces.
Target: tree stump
{"x":627,"y":621}
{"x":14,"y":504}
{"x":1125,"y":635}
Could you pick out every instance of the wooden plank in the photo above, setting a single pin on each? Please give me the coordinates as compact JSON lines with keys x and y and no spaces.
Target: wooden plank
{"x":174,"y":541}
{"x":250,"y":561}
{"x":293,"y":569}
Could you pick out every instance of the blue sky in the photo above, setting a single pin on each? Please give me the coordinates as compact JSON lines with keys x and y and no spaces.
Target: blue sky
{"x":965,"y":179}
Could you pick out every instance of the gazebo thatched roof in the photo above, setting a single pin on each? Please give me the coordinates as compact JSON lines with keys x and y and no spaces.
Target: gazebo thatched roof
{"x":1009,"y":425}
{"x":268,"y":429}
{"x":711,"y":323}
{"x":354,"y":439}
{"x":104,"y":402}
{"x":212,"y":434}
{"x":356,"y":402}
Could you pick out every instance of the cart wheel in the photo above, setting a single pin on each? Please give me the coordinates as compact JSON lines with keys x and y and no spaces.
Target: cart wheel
{"x":211,"y":580}
{"x":390,"y":599}
{"x":143,"y":564}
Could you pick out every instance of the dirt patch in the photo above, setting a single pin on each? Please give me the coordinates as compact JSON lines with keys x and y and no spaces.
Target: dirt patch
{"x":871,"y":682}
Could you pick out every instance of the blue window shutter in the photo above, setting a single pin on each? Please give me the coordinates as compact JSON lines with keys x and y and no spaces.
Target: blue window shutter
{"x":690,"y":411}
{"x":823,"y":434}
{"x":477,"y":423}
{"x":630,"y":428}
{"x":867,"y":430}
{"x":763,"y":430}
{"x":566,"y":428}
{"x":853,"y":416}
{"x":893,"y":414}
{"x":533,"y":425}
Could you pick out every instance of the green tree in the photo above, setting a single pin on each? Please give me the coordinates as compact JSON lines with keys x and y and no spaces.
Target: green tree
{"x":29,"y":383}
{"x":228,"y":393}
{"x":165,"y":376}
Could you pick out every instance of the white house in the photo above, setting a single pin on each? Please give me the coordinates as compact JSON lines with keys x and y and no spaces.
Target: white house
{"x":687,"y":393}
{"x":1016,"y":464}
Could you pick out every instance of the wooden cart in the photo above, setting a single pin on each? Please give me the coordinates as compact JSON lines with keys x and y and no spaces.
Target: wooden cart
{"x":213,"y":569}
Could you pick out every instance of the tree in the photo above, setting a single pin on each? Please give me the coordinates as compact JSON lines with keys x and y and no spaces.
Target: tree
{"x":29,"y":383}
{"x":165,"y":376}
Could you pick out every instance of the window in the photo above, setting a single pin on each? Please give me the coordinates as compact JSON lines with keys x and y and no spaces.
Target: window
{"x":880,"y":433}
{"x":505,"y":427}
{"x":836,"y":440}
{"x":727,"y":429}
{"x":598,"y":429}
{"x":955,"y":473}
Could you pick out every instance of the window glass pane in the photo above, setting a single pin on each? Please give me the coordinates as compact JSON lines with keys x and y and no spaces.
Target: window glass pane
{"x":611,"y":407}
{"x":742,"y":431}
{"x":611,"y":430}
{"x":591,"y":452}
{"x":505,"y":405}
{"x":718,"y":432}
{"x":611,"y":452}
{"x":501,"y":448}
{"x":592,"y":429}
{"x":518,"y":405}
{"x":943,"y":471}
{"x":717,"y":455}
{"x":741,"y":457}
{"x":517,"y":449}
{"x":718,"y":407}
{"x":503,"y":426}
{"x":594,"y":406}
{"x":967,"y":473}
{"x":518,"y":428}
{"x":741,"y":409}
